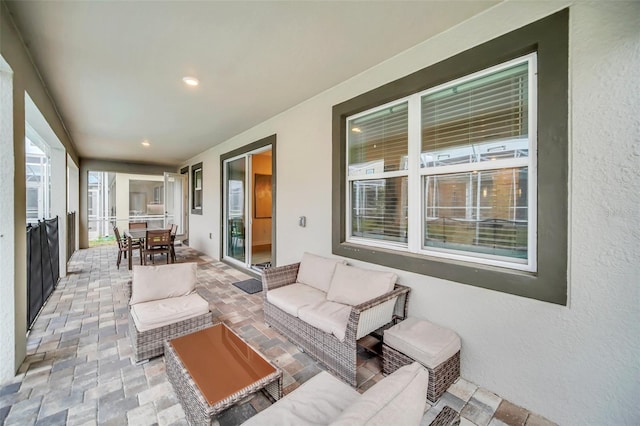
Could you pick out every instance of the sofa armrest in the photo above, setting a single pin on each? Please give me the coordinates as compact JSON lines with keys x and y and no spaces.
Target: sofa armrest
{"x":279,"y":276}
{"x":378,"y":312}
{"x":399,"y":291}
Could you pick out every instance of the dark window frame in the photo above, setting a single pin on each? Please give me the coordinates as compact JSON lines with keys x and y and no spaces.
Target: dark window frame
{"x":261,"y":143}
{"x":549,"y":37}
{"x":194,"y":168}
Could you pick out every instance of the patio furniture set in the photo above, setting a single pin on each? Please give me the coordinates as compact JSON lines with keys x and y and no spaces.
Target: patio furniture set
{"x":323,"y":306}
{"x":148,"y":242}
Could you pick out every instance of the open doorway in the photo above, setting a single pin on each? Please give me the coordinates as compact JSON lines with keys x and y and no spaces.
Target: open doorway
{"x":249,"y":205}
{"x":120,"y":199}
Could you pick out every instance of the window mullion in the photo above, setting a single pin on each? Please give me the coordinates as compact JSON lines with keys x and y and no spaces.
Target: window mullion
{"x":414,"y":210}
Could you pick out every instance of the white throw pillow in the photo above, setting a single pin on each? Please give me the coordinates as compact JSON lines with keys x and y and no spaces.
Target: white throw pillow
{"x":398,"y":399}
{"x":317,"y":271}
{"x":353,"y":286}
{"x":162,"y":281}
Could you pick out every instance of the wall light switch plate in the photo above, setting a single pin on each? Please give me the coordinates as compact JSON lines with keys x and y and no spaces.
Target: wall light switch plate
{"x":302,"y":221}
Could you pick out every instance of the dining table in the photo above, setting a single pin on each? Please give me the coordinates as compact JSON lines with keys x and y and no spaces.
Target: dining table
{"x":136,"y":234}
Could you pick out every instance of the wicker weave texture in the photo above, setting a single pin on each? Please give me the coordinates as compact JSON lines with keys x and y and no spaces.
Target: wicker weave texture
{"x":149,"y":344}
{"x":447,"y":417}
{"x":196,"y":407}
{"x":337,"y":356}
{"x":440,"y":377}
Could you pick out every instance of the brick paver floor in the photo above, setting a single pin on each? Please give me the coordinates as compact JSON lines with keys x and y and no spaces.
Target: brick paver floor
{"x":79,"y":367}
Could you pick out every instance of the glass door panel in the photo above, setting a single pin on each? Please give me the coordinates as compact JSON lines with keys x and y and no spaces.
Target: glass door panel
{"x":235,"y":209}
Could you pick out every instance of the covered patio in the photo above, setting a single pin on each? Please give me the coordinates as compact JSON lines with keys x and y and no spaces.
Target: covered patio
{"x":79,"y":367}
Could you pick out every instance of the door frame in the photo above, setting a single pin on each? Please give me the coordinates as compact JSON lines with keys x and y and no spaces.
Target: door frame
{"x":184,"y":201}
{"x":269,"y":140}
{"x":187,"y":212}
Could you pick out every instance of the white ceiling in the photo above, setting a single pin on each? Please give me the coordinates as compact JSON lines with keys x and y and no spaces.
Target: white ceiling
{"x":114,"y":68}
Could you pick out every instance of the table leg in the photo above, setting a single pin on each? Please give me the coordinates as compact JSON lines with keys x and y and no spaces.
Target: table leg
{"x":130,"y":251}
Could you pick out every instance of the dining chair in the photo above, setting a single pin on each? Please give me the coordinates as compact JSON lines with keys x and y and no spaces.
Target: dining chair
{"x":137,"y":225}
{"x":123,"y":246}
{"x":237,"y":235}
{"x":174,"y":232}
{"x":157,"y":241}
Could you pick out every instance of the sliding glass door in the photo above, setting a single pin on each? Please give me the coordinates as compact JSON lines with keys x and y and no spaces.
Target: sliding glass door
{"x":248,"y":207}
{"x":236,"y":172}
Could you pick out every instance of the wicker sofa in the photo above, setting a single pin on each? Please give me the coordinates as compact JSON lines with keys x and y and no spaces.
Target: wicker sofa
{"x":324,"y":306}
{"x":398,"y":399}
{"x":163,"y":305}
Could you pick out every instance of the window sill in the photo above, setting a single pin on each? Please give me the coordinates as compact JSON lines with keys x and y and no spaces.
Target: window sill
{"x":539,"y":286}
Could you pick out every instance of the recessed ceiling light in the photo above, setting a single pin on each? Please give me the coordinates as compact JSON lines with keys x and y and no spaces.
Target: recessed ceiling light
{"x":146,"y":143}
{"x":190,"y":81}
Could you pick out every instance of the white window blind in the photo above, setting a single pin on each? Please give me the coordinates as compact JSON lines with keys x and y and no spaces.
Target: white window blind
{"x":482,"y":119}
{"x":377,"y":161}
{"x":478,"y":120}
{"x":378,"y":141}
{"x":469,"y":188}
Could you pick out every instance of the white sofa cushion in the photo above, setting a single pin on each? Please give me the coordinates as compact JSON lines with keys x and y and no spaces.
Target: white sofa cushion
{"x":398,"y":399}
{"x":162,"y":281}
{"x":330,"y":317}
{"x":158,"y":313}
{"x":290,"y":298}
{"x":423,"y":341}
{"x":353,"y":286}
{"x":317,"y":271}
{"x":318,"y":401}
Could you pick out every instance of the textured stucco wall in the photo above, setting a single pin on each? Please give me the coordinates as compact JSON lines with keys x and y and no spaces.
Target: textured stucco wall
{"x":7,"y":231}
{"x":26,"y":81}
{"x":575,"y":364}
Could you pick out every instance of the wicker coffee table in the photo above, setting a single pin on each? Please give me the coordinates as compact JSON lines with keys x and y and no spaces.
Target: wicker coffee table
{"x":212,"y":369}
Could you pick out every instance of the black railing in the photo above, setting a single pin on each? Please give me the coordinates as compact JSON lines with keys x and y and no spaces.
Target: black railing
{"x":43,"y":267}
{"x":71,"y":234}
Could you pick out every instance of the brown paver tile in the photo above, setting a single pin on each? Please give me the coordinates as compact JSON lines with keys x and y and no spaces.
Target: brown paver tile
{"x":536,"y":420}
{"x":511,"y":414}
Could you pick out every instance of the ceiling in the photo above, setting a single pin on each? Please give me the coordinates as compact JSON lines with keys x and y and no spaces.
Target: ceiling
{"x":115,"y":68}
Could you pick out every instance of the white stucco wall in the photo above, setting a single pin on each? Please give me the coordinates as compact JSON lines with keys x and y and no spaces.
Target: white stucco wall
{"x":25,"y":79}
{"x":7,"y":231}
{"x":575,"y":364}
{"x":73,"y":192}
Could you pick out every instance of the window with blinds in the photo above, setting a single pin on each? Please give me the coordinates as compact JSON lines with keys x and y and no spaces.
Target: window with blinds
{"x":377,"y":174}
{"x":482,"y":119}
{"x":470,"y":151}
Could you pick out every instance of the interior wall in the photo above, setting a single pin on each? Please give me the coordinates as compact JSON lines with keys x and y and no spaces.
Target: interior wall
{"x":574,"y":364}
{"x":261,"y":227}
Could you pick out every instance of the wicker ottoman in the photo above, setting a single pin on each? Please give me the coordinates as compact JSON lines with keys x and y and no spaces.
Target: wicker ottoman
{"x":435,"y":347}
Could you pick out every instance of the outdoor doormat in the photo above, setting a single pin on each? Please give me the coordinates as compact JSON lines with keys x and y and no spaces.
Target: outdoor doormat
{"x":249,"y":286}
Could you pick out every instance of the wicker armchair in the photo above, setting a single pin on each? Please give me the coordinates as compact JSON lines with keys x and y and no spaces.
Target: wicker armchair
{"x":337,"y":356}
{"x":152,"y":290}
